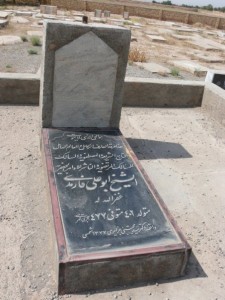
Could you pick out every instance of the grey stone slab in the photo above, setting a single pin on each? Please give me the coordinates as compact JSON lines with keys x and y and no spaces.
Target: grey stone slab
{"x":181,"y":37}
{"x":10,"y":40}
{"x":86,"y":84}
{"x":210,"y":58}
{"x":24,"y":13}
{"x":155,"y":38}
{"x":35,"y":33}
{"x":4,"y":14}
{"x":4,"y":23}
{"x":191,"y":66}
{"x":100,"y":97}
{"x":19,"y":20}
{"x":154,"y":68}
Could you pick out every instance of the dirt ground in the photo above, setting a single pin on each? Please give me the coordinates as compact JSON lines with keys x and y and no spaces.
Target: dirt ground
{"x":182,"y":152}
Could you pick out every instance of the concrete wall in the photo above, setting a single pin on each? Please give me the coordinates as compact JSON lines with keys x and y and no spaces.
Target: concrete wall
{"x":24,"y":89}
{"x":213,"y":102}
{"x":18,"y":88}
{"x":162,"y":93}
{"x":141,"y":10}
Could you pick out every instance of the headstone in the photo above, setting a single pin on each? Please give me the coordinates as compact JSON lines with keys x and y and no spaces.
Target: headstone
{"x":111,"y":227}
{"x":98,"y":13}
{"x":48,"y":9}
{"x":191,"y":66}
{"x":126,"y":15}
{"x":155,"y":38}
{"x":154,"y":68}
{"x":106,"y":13}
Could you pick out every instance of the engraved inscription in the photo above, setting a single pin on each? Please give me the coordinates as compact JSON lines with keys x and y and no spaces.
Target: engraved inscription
{"x":104,"y":199}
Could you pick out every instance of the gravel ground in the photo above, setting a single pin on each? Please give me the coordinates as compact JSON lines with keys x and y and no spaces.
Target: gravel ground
{"x":16,"y":59}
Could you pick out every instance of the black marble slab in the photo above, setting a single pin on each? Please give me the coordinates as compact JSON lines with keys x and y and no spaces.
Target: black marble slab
{"x":104,"y":200}
{"x":219,"y":79}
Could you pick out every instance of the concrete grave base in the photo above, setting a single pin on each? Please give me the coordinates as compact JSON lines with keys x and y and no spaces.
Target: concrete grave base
{"x":89,"y":263}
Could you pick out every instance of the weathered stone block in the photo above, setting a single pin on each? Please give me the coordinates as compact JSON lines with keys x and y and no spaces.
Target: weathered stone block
{"x":83,"y":74}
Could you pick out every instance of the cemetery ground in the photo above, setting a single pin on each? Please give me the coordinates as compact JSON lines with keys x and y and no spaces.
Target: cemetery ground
{"x":202,"y":46}
{"x":182,"y":150}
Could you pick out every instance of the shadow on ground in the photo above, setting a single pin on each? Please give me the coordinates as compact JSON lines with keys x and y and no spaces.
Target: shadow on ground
{"x":148,"y":149}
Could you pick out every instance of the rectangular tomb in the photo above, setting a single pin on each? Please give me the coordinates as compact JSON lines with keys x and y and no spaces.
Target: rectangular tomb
{"x":111,"y":226}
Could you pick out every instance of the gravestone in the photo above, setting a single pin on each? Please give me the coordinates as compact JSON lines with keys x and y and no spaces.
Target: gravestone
{"x":126,"y":15}
{"x":48,"y":9}
{"x":111,"y":227}
{"x":107,"y":13}
{"x":98,"y":13}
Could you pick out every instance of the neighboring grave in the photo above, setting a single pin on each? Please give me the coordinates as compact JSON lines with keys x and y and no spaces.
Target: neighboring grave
{"x":24,"y":13}
{"x":182,"y":37}
{"x":19,"y":20}
{"x":155,"y":38}
{"x":4,"y":14}
{"x":3,"y":23}
{"x":154,"y":68}
{"x":210,"y":58}
{"x":126,"y":15}
{"x":217,"y":77}
{"x":98,"y":13}
{"x":112,"y":228}
{"x":206,"y":44}
{"x":35,"y":33}
{"x":10,"y":40}
{"x":191,"y":66}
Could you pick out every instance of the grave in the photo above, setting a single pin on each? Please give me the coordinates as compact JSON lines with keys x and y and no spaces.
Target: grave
{"x":191,"y":66}
{"x":19,"y":20}
{"x":181,"y":37}
{"x":3,"y":23}
{"x":111,"y":227}
{"x":24,"y":13}
{"x":35,"y":33}
{"x":209,"y":58}
{"x":155,"y":38}
{"x":4,"y":14}
{"x":10,"y":40}
{"x":98,"y":13}
{"x":217,"y":77}
{"x":154,"y":68}
{"x":206,"y":44}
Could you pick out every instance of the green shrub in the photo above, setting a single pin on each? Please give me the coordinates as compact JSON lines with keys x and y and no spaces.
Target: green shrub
{"x":175,"y":72}
{"x":32,"y":51}
{"x":35,"y":41}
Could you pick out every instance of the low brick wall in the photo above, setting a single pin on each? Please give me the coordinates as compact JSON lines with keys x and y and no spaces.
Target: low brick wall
{"x":141,"y":10}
